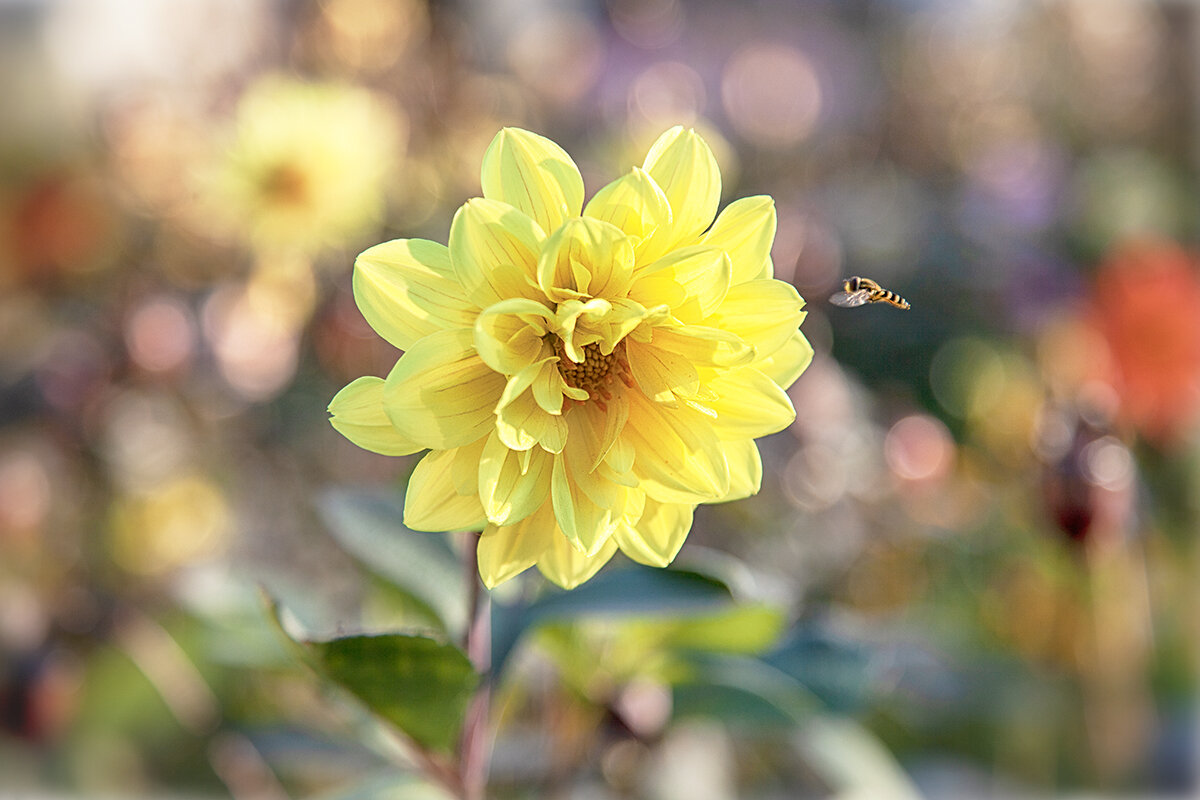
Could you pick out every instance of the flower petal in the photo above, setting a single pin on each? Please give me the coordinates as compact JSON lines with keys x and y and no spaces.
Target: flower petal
{"x":564,"y":565}
{"x":745,"y":469}
{"x":749,"y":405}
{"x":494,"y":249}
{"x":677,"y":454}
{"x":661,"y":374}
{"x":533,"y":174}
{"x":440,"y":394}
{"x":745,"y":230}
{"x":786,"y":364}
{"x":683,"y":165}
{"x":597,"y":429}
{"x":506,"y":551}
{"x":659,"y":534}
{"x":692,"y":281}
{"x":549,"y":387}
{"x":585,"y":523}
{"x":509,"y":335}
{"x":522,"y":423}
{"x":764,"y":314}
{"x":512,"y":484}
{"x":464,"y":470}
{"x":432,"y":502}
{"x":406,"y":289}
{"x":359,"y":416}
{"x":585,"y":258}
{"x":704,"y":346}
{"x":636,"y":205}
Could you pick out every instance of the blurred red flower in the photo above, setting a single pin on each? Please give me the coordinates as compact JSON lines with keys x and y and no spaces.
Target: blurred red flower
{"x":1146,"y":306}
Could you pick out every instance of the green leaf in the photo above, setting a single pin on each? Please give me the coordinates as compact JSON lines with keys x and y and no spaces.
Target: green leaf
{"x":738,"y":629}
{"x":727,"y":703}
{"x":743,"y":689}
{"x":841,"y":672}
{"x":631,"y":592}
{"x":420,"y":685}
{"x":422,"y":565}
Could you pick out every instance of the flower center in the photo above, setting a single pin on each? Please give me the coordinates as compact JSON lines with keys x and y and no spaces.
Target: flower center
{"x":596,"y":372}
{"x":287,"y":184}
{"x":592,"y":373}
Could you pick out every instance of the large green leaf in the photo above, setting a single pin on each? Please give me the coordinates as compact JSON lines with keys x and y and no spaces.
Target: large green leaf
{"x":420,"y":685}
{"x":369,"y":525}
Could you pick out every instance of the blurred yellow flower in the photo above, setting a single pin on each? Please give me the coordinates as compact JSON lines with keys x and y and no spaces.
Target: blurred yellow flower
{"x":184,"y":520}
{"x":307,"y":167}
{"x":582,"y":375}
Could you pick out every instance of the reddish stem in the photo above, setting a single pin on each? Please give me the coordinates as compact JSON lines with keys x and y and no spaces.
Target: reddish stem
{"x":475,"y":746}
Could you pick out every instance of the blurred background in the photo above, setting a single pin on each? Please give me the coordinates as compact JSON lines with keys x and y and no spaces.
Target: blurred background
{"x":980,"y":534}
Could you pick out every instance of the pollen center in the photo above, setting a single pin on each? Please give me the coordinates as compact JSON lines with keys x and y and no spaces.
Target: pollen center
{"x":592,"y":374}
{"x":596,"y":374}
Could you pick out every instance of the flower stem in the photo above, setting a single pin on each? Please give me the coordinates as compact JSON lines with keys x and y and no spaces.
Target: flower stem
{"x":475,"y":746}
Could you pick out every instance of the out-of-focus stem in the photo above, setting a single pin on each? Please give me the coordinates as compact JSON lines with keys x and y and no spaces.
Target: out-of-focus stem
{"x":475,"y":746}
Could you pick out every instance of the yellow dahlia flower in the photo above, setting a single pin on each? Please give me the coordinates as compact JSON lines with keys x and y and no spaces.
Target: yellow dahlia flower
{"x":582,"y":376}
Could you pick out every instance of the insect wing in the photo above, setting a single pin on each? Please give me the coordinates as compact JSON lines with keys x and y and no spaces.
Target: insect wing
{"x":850,"y":299}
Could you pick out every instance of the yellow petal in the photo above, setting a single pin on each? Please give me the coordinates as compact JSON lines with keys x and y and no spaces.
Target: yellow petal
{"x":594,"y":431}
{"x":622,"y":318}
{"x":585,"y":258}
{"x":359,"y":416}
{"x":745,"y":469}
{"x":567,"y":567}
{"x":764,"y":314}
{"x":432,"y":502}
{"x":548,"y":388}
{"x":521,"y":423}
{"x":745,"y":230}
{"x":406,"y":289}
{"x":506,"y":551}
{"x":512,"y":485}
{"x":440,"y":394}
{"x":661,"y":374}
{"x":494,"y":249}
{"x":581,"y":457}
{"x":636,"y":205}
{"x":620,"y":458}
{"x":749,"y":405}
{"x":509,"y":335}
{"x":533,"y":174}
{"x":692,"y":281}
{"x":659,"y":534}
{"x":464,"y":470}
{"x":683,"y":165}
{"x":786,"y":364}
{"x":577,"y":326}
{"x":703,"y":346}
{"x":583,"y":522}
{"x":677,"y":454}
{"x":767,"y":272}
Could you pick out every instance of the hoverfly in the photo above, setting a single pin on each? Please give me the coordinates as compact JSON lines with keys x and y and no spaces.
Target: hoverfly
{"x":858,"y":291}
